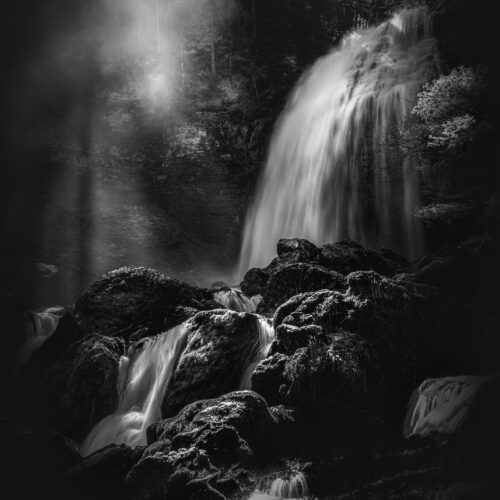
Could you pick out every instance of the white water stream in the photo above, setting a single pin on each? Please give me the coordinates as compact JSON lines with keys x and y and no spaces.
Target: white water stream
{"x":143,"y":379}
{"x":330,"y":172}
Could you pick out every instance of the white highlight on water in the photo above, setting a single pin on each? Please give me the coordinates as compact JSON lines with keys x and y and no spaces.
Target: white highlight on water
{"x":441,"y":405}
{"x":142,"y":381}
{"x":294,"y":487}
{"x":327,"y":172}
{"x":266,"y":337}
{"x":234,"y":299}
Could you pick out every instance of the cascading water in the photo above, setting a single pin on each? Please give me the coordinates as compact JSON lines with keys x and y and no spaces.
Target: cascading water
{"x":266,"y":336}
{"x":142,"y":381}
{"x":39,"y":326}
{"x":293,"y":487}
{"x":330,"y":173}
{"x":441,"y":405}
{"x":234,"y":299}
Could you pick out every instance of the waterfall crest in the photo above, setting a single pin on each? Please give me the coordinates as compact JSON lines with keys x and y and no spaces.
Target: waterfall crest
{"x":328,"y":173}
{"x":142,"y":381}
{"x":266,"y":336}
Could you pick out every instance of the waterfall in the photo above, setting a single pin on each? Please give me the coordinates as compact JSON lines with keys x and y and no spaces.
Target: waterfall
{"x":235,"y":300}
{"x":266,"y":336}
{"x":331,"y":171}
{"x":39,"y":326}
{"x":142,"y":381}
{"x":441,"y":405}
{"x":293,"y":487}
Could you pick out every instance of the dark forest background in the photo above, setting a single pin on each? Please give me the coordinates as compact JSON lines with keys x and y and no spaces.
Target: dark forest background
{"x":135,"y":135}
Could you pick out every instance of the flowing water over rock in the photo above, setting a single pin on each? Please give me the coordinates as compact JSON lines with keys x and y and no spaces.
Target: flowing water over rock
{"x":143,"y":379}
{"x":235,"y":300}
{"x":266,"y":336}
{"x":330,"y":173}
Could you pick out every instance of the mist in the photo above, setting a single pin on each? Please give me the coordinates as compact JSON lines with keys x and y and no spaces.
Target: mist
{"x":95,"y":91}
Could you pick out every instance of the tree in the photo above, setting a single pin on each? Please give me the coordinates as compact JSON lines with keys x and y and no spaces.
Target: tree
{"x":451,"y":108}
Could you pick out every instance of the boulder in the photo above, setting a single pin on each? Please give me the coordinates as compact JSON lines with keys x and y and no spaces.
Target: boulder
{"x":44,"y":455}
{"x":220,"y":345}
{"x":102,"y":474}
{"x":364,"y":345}
{"x":232,"y":427}
{"x":81,"y":388}
{"x":24,"y":391}
{"x":131,"y":298}
{"x":301,"y":267}
{"x":193,"y":454}
{"x":344,"y":368}
{"x":347,"y":256}
{"x":290,"y":251}
{"x":372,"y":306}
{"x":304,"y":248}
{"x":289,"y":338}
{"x":461,"y":271}
{"x":184,"y":474}
{"x":292,"y":279}
{"x":254,"y":282}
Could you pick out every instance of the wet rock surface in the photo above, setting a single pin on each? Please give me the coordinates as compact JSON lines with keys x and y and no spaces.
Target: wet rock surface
{"x":239,"y":420}
{"x":361,"y":339}
{"x":302,"y":267}
{"x":103,"y":473}
{"x":82,"y":387}
{"x":218,"y":347}
{"x":47,"y":455}
{"x":347,"y":256}
{"x":293,"y":279}
{"x":195,"y":452}
{"x":131,"y":298}
{"x":374,"y":336}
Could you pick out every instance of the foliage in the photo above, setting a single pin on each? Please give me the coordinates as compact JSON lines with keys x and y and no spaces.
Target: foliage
{"x":448,"y":213}
{"x":448,"y":129}
{"x":450,"y":107}
{"x":449,"y":95}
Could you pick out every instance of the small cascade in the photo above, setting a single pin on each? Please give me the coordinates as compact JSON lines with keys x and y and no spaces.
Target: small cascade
{"x":290,"y":488}
{"x":441,"y":405}
{"x":236,"y":300}
{"x":142,"y":381}
{"x":330,"y":172}
{"x":39,"y":326}
{"x":266,"y":336}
